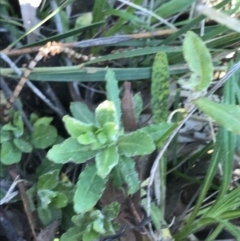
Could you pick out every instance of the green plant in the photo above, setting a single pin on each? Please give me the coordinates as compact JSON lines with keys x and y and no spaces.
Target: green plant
{"x":226,"y":207}
{"x":99,"y":141}
{"x":51,"y":194}
{"x":92,"y":224}
{"x":16,"y":140}
{"x":103,"y":137}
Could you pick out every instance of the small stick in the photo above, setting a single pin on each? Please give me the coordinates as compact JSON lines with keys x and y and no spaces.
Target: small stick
{"x":26,"y":204}
{"x":52,"y":48}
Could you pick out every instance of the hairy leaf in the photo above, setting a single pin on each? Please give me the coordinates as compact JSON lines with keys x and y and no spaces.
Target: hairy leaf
{"x":136,"y":143}
{"x":199,"y":60}
{"x":226,"y":115}
{"x":117,"y":177}
{"x":87,"y":138}
{"x":102,"y":138}
{"x":138,"y":105}
{"x":89,"y":189}
{"x":106,"y":112}
{"x":75,"y":127}
{"x":106,"y":160}
{"x":127,"y":166}
{"x":111,"y":129}
{"x":158,"y":131}
{"x":70,"y":150}
{"x":113,"y":92}
{"x":81,"y":112}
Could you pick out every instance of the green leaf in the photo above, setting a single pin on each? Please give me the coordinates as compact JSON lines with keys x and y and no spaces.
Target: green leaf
{"x":87,"y":138}
{"x":43,"y":121}
{"x":45,"y":197}
{"x":226,"y":115}
{"x":67,"y":188}
{"x":106,"y":160}
{"x":32,"y":193}
{"x":98,"y":226}
{"x":89,"y":189}
{"x":113,"y":92}
{"x":199,"y":60}
{"x":33,"y":118}
{"x":75,"y":127}
{"x":106,"y":112}
{"x":10,"y":154}
{"x":16,"y":132}
{"x":111,"y":130}
{"x":48,"y":180}
{"x":84,"y":20}
{"x":60,"y":201}
{"x":91,"y":74}
{"x":18,"y":123}
{"x":70,"y":150}
{"x":43,"y":136}
{"x":81,"y":112}
{"x":97,"y":10}
{"x":136,"y":143}
{"x":229,"y":138}
{"x":117,"y":177}
{"x":93,"y":220}
{"x":158,"y":131}
{"x":68,"y":213}
{"x":160,"y":89}
{"x":90,"y":235}
{"x":72,"y":234}
{"x":85,"y":220}
{"x":102,"y":138}
{"x":48,"y":215}
{"x":23,"y":145}
{"x":119,"y":24}
{"x":230,"y":201}
{"x":64,"y":21}
{"x":156,"y":216}
{"x":109,"y":226}
{"x":47,"y":166}
{"x":111,"y":211}
{"x":124,"y":15}
{"x":233,"y":229}
{"x":5,"y":136}
{"x":138,"y":105}
{"x":127,"y":166}
{"x":169,"y":8}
